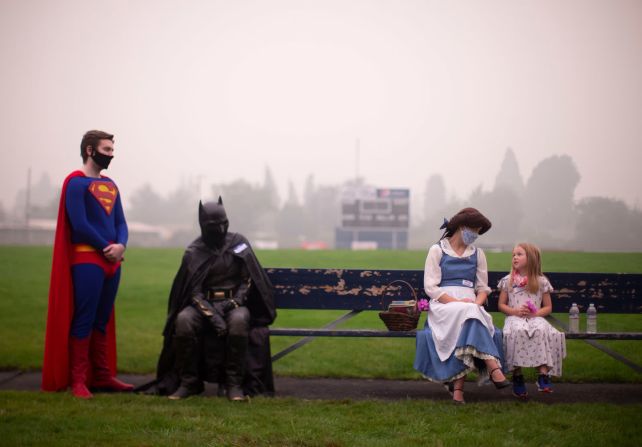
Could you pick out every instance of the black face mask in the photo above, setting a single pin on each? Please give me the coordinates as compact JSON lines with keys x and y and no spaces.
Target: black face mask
{"x":214,"y":233}
{"x":213,"y":222}
{"x":101,"y":160}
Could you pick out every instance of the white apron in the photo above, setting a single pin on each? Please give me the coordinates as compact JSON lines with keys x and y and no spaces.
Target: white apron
{"x":447,"y":320}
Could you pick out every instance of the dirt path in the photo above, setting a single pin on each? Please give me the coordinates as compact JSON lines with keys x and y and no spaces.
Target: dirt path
{"x":358,"y":389}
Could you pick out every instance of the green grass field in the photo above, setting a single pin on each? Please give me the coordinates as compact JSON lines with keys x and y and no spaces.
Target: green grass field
{"x":148,"y":273}
{"x":32,"y":418}
{"x":37,"y":419}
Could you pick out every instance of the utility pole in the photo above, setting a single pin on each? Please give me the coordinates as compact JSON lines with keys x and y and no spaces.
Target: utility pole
{"x":28,"y":198}
{"x":357,"y":153}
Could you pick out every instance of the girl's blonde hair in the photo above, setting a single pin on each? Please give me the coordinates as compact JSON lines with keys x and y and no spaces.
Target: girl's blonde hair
{"x":533,"y":266}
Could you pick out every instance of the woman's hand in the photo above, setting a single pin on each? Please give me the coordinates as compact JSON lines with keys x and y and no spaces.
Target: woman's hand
{"x":481,"y":299}
{"x":445,"y":299}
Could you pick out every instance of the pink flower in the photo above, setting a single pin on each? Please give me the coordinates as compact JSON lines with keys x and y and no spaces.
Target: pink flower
{"x":531,"y":307}
{"x":423,"y":304}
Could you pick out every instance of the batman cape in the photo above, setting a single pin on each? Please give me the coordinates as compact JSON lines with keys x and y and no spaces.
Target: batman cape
{"x":260,"y":302}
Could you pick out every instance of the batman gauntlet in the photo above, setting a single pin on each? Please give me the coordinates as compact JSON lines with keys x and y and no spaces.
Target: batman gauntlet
{"x":240,"y":297}
{"x":213,"y":313}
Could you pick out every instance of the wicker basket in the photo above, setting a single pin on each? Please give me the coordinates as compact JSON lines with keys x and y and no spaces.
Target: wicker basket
{"x":401,"y":321}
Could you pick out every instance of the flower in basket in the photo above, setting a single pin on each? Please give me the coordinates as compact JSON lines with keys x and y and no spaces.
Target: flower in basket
{"x":531,"y":307}
{"x":423,"y":304}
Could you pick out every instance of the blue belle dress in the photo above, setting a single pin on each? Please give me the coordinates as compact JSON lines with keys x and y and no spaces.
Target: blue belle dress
{"x":458,"y":336}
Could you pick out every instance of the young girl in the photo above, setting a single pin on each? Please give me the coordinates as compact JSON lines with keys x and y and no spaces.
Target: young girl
{"x":529,"y":340}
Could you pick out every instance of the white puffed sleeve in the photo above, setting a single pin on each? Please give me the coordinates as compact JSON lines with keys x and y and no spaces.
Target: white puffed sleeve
{"x":481,"y":277}
{"x":432,"y":273}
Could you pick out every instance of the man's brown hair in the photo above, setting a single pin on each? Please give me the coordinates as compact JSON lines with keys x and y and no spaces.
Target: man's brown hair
{"x":92,"y":138}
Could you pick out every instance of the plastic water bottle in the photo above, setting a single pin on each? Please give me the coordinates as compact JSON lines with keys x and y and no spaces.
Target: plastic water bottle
{"x":574,"y":319}
{"x":591,"y":319}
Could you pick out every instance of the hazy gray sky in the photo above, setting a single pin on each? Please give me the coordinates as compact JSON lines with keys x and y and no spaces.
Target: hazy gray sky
{"x":220,"y":89}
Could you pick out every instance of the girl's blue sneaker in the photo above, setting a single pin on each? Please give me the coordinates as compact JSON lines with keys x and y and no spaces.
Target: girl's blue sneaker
{"x":519,"y":387}
{"x":544,"y":384}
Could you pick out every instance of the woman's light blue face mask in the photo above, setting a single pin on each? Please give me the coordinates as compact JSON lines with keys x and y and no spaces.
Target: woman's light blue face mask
{"x":468,"y":236}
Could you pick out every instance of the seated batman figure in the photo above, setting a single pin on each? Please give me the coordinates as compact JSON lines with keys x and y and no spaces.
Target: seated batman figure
{"x":220,"y":306}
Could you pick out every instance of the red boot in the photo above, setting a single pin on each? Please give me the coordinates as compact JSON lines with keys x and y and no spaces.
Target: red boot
{"x":102,"y":377}
{"x":78,"y":366}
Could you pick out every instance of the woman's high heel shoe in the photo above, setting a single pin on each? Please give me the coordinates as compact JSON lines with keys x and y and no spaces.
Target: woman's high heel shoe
{"x":501,"y":384}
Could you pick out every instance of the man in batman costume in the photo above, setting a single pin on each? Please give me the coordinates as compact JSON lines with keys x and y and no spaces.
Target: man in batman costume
{"x":220,"y":306}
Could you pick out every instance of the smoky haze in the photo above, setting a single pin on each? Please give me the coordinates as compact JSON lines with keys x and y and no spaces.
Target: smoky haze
{"x":268,"y":101}
{"x":539,"y":208}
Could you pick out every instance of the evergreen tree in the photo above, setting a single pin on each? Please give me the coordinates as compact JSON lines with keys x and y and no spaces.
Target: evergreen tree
{"x":607,"y":224}
{"x":434,"y":196}
{"x":182,"y":206}
{"x":504,"y":209}
{"x":246,"y":207}
{"x":308,"y":190}
{"x":291,"y":221}
{"x":146,"y":206}
{"x":270,"y":191}
{"x":549,"y":200}
{"x":509,"y":176}
{"x":321,"y":209}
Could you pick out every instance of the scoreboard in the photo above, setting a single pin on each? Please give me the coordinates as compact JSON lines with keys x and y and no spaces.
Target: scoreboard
{"x":374,"y":218}
{"x":376,"y":208}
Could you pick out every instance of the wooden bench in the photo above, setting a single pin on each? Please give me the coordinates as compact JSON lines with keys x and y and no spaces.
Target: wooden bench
{"x":359,"y":290}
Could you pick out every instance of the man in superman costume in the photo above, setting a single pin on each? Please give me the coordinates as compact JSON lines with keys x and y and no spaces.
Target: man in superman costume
{"x":91,"y":235}
{"x":220,"y":306}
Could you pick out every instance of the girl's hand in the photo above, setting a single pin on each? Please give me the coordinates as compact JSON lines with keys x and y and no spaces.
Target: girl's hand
{"x":467,"y":300}
{"x":522,"y":311}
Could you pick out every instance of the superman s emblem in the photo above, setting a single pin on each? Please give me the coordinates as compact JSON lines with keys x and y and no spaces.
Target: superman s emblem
{"x":105,"y":193}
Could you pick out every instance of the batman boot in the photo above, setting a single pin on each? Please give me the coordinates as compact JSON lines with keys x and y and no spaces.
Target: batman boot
{"x":187,"y":362}
{"x":234,"y":367}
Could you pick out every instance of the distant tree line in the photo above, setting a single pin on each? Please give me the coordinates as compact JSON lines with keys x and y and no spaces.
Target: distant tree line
{"x":254,"y":209}
{"x":541,"y":209}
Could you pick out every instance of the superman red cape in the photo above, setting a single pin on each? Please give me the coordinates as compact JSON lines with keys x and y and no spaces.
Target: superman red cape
{"x":55,"y":368}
